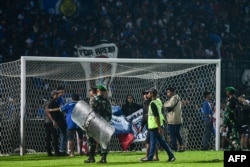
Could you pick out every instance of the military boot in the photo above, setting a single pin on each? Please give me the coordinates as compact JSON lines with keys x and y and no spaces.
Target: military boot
{"x":103,"y":159}
{"x":91,"y":158}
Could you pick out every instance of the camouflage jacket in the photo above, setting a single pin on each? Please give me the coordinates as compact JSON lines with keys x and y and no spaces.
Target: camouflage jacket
{"x":102,"y":106}
{"x":229,"y":115}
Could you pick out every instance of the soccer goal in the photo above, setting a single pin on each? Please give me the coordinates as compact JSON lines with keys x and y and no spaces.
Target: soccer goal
{"x":26,"y":84}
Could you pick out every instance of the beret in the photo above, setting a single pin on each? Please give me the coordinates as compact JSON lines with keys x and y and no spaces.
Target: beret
{"x":230,"y":89}
{"x":101,"y":87}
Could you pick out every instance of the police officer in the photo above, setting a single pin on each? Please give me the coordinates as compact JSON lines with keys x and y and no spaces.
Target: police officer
{"x":100,"y":105}
{"x":230,"y":121}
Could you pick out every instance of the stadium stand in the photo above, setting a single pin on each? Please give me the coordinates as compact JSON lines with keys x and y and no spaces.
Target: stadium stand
{"x":140,"y":29}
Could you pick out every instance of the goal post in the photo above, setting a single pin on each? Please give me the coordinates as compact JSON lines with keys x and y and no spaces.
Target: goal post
{"x":23,"y":104}
{"x":218,"y":102}
{"x":39,"y":75}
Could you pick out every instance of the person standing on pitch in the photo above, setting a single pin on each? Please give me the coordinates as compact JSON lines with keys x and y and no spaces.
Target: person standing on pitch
{"x":129,"y":108}
{"x":207,"y":112}
{"x":230,"y":119}
{"x":155,"y":124}
{"x":145,"y":123}
{"x":174,"y":118}
{"x":51,"y":125}
{"x":101,"y":106}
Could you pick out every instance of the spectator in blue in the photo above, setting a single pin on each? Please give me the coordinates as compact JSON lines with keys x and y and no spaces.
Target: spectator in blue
{"x":208,"y":119}
{"x":11,"y":108}
{"x":216,"y":39}
{"x":40,"y":112}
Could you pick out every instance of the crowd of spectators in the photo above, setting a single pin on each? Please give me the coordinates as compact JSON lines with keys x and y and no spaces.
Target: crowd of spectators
{"x":140,"y":28}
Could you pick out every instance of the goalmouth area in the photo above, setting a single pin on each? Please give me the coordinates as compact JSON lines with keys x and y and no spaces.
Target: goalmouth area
{"x":25,"y":84}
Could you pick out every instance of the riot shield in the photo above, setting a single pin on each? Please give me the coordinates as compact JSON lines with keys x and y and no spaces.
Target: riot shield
{"x":91,"y":122}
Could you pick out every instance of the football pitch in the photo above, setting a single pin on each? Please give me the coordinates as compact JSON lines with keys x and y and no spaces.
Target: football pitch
{"x":116,"y":159}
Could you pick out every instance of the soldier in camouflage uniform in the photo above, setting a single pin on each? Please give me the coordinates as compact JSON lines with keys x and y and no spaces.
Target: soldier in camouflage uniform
{"x":100,"y":105}
{"x":230,"y":120}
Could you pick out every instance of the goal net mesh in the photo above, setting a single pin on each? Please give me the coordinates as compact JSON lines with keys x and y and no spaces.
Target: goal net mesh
{"x":189,"y":79}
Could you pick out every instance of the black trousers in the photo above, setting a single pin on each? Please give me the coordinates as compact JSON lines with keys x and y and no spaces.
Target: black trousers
{"x":51,"y":136}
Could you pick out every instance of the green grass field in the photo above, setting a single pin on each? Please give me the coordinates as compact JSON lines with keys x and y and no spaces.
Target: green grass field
{"x":126,"y":159}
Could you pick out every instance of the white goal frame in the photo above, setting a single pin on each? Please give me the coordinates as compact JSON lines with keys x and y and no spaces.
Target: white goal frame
{"x":24,"y":59}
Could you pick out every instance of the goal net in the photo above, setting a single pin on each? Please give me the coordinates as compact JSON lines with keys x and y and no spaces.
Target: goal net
{"x":26,"y":85}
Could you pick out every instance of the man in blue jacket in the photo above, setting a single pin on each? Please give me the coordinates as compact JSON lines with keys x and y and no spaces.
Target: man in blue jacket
{"x":208,"y":119}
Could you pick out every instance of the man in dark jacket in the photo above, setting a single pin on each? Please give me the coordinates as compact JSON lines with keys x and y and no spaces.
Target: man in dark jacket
{"x":145,"y":122}
{"x":51,"y":125}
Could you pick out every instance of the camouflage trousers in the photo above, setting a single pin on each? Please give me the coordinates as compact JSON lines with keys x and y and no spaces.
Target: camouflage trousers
{"x":92,"y":144}
{"x":234,"y":138}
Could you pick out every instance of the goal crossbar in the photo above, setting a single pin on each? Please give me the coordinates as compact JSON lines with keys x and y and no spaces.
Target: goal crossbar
{"x":121,"y":60}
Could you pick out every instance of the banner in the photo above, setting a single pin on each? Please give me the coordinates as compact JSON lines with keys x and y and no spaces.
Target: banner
{"x":129,"y":124}
{"x":120,"y":124}
{"x":136,"y":119}
{"x":108,"y":50}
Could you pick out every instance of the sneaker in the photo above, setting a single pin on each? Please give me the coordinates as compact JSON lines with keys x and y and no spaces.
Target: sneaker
{"x":145,"y":160}
{"x":171,"y":159}
{"x":142,"y":158}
